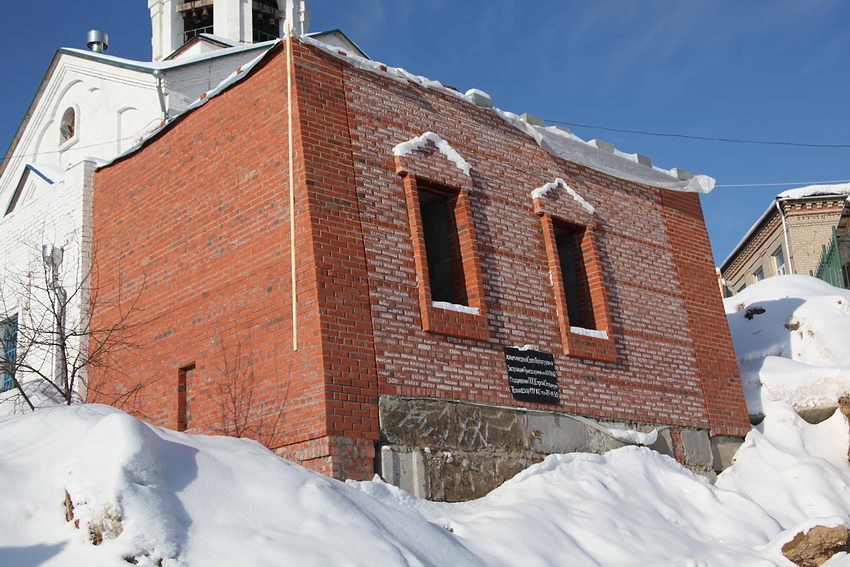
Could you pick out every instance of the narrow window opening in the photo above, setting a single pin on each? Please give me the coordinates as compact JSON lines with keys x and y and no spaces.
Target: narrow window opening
{"x":568,"y":239}
{"x":196,"y":20}
{"x":266,"y":20}
{"x":184,"y":414}
{"x":68,"y":126}
{"x":758,"y":275}
{"x":779,"y":261}
{"x":442,"y":245}
{"x":10,"y":352}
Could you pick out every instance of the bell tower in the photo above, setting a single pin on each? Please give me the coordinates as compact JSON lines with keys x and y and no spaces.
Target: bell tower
{"x":174,"y":22}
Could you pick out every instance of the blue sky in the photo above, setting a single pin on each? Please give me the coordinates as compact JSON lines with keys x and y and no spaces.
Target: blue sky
{"x":756,"y":69}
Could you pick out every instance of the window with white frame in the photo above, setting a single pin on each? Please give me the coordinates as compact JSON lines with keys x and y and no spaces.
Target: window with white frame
{"x":779,"y":261}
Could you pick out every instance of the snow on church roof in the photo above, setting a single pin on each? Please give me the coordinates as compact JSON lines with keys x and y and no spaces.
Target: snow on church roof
{"x":151,"y":66}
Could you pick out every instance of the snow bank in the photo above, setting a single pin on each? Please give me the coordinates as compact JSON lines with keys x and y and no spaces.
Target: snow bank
{"x":790,"y":334}
{"x":633,"y":506}
{"x":40,"y":394}
{"x":155,"y":495}
{"x":187,"y":500}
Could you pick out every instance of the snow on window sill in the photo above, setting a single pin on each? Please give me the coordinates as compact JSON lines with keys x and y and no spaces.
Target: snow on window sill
{"x":455,"y":307}
{"x":589,"y":332}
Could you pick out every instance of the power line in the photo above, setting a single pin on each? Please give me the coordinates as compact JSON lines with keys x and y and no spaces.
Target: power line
{"x":784,"y":183}
{"x":703,"y":138}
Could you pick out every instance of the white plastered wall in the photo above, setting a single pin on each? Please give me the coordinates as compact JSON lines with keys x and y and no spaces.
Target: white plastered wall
{"x":56,"y":215}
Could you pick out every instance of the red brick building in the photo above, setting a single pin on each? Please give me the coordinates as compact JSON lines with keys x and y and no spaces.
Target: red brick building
{"x":375,"y":339}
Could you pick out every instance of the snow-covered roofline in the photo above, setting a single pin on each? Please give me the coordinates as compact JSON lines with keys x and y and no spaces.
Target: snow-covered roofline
{"x":556,"y":141}
{"x":166,"y":65}
{"x":840,"y":190}
{"x":144,"y":67}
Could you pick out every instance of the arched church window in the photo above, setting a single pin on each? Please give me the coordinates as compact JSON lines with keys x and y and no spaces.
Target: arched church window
{"x":266,"y":20}
{"x":68,"y":126}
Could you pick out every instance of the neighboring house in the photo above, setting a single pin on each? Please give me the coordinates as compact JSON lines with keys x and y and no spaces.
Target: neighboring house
{"x":790,"y":238}
{"x":372,"y":272}
{"x":90,"y":107}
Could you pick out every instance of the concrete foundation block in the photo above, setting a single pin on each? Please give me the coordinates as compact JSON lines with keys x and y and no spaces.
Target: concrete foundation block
{"x":405,"y":469}
{"x":479,"y":427}
{"x":600,"y":442}
{"x":723,"y":449}
{"x":548,"y":433}
{"x":458,"y":476}
{"x":664,"y":443}
{"x":423,"y":423}
{"x":697,"y":447}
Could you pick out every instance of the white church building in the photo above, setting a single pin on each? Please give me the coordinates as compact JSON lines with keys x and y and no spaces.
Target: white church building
{"x":90,"y":108}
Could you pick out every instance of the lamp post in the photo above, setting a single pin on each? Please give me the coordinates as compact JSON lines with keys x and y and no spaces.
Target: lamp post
{"x":52,"y":256}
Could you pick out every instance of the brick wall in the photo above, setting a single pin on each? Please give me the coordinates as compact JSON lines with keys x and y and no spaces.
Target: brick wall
{"x":655,"y":376}
{"x":196,"y":226}
{"x":810,"y":227}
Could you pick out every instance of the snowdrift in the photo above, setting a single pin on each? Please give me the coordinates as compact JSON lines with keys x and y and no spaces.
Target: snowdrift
{"x":792,"y":337}
{"x":90,"y":485}
{"x":148,"y":495}
{"x":157,"y":495}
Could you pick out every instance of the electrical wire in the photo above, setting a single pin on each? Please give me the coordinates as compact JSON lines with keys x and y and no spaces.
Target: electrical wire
{"x":783,"y":183}
{"x":703,"y":138}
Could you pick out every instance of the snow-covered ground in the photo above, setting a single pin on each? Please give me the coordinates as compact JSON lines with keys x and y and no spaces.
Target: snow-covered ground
{"x":792,"y":336}
{"x":158,"y":497}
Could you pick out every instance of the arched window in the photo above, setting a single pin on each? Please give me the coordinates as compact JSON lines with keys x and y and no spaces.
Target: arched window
{"x":266,"y":20}
{"x":68,"y":126}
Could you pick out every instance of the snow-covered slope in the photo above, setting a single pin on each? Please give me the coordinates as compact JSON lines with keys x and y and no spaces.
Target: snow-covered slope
{"x":187,"y":500}
{"x":157,"y":497}
{"x":153,"y":495}
{"x":792,"y":337}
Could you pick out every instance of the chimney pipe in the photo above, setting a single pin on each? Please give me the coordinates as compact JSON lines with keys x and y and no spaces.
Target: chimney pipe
{"x":97,"y":41}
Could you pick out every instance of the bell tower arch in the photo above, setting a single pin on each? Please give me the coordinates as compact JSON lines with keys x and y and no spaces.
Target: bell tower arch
{"x":174,"y":22}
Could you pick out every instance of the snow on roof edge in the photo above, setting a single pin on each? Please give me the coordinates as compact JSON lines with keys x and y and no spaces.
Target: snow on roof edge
{"x":166,"y":65}
{"x":807,"y":192}
{"x":771,"y":208}
{"x":839,"y":189}
{"x":619,"y":164}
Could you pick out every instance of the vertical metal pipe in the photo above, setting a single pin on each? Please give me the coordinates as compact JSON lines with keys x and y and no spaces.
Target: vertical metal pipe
{"x":785,"y":234}
{"x":290,"y":67}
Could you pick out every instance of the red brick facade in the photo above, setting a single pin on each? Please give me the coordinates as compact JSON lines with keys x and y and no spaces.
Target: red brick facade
{"x":196,"y":225}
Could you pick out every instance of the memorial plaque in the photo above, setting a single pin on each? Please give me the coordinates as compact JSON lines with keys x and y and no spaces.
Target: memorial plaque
{"x":532,"y":376}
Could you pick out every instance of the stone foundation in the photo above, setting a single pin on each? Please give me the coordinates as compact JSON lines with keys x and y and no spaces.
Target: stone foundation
{"x":455,"y":451}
